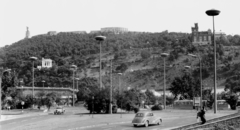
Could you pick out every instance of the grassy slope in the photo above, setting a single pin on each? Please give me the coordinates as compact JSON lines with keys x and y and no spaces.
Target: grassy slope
{"x":131,"y":77}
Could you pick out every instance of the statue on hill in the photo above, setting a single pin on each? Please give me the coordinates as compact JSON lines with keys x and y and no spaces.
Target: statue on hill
{"x":27,"y":34}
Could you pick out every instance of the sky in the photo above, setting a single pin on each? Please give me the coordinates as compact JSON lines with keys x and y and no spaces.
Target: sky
{"x":42,"y":16}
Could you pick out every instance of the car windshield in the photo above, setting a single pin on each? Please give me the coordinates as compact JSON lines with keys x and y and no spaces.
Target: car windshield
{"x":139,"y":114}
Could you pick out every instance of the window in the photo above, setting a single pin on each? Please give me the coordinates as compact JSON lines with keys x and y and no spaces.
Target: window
{"x":205,"y":38}
{"x":200,"y":38}
{"x":150,"y":114}
{"x":139,"y":115}
{"x":195,"y":39}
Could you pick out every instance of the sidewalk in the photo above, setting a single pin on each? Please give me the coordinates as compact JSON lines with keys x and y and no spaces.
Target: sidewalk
{"x":17,"y":113}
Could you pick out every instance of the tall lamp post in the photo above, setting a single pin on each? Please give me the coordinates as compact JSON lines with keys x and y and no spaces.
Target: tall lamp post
{"x":73,"y":67}
{"x":119,"y":86}
{"x":21,"y":84}
{"x":100,"y":39}
{"x":213,"y":13}
{"x":164,"y":55}
{"x":200,"y":78}
{"x":77,"y":83}
{"x":92,"y":105}
{"x":33,"y":59}
{"x":189,"y":68}
{"x":110,"y":104}
{"x":43,"y":81}
{"x":1,"y":72}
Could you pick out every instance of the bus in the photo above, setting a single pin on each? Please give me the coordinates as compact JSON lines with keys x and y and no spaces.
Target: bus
{"x":189,"y":104}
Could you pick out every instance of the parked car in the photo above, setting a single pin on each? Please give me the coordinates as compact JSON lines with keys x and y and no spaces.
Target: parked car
{"x":59,"y":110}
{"x":146,"y":118}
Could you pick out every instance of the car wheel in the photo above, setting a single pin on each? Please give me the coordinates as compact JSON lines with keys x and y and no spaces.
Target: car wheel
{"x":146,"y":124}
{"x":135,"y":125}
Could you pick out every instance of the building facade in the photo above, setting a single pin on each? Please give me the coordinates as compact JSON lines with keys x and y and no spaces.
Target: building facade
{"x":46,"y":63}
{"x":201,"y":37}
{"x":115,"y":30}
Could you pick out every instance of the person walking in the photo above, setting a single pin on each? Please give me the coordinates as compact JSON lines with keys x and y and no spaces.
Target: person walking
{"x":201,"y":115}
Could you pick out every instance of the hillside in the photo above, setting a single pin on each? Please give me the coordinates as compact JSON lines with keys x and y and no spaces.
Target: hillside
{"x":136,"y":55}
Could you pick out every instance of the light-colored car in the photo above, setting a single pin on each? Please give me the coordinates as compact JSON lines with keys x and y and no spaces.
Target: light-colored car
{"x":59,"y":110}
{"x":146,"y":118}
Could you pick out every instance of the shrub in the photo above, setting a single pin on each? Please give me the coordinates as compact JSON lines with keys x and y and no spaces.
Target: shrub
{"x":156,"y":107}
{"x":136,"y":109}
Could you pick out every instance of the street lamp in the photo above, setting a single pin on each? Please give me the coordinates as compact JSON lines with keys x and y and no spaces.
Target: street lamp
{"x":43,"y":81}
{"x":164,"y":55}
{"x":21,"y":84}
{"x":73,"y":67}
{"x":77,"y":82}
{"x":189,"y":68}
{"x":33,"y":59}
{"x":92,"y":105}
{"x":213,"y":13}
{"x":1,"y":72}
{"x":200,"y":69}
{"x":119,"y":81}
{"x":100,"y":39}
{"x":110,"y":104}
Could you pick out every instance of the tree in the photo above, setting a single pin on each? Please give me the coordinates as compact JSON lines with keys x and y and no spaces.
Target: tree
{"x":41,"y":98}
{"x":51,"y":99}
{"x":231,"y":99}
{"x":150,"y":97}
{"x":233,"y":83}
{"x":122,"y":68}
{"x":186,"y":86}
{"x":100,"y":100}
{"x":145,"y":54}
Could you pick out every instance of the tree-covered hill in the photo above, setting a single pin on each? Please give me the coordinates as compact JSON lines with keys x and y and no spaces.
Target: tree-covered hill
{"x":136,"y":55}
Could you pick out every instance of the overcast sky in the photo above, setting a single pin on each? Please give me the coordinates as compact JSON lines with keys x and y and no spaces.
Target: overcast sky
{"x":42,"y":16}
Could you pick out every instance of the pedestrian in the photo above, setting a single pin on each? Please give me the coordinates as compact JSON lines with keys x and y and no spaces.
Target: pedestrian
{"x":201,"y":115}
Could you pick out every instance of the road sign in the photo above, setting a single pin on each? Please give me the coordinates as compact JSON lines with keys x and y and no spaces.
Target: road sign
{"x":196,"y":101}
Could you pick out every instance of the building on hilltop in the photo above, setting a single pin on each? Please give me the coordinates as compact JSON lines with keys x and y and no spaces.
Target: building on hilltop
{"x":79,"y":32}
{"x":219,"y":34}
{"x":46,"y":63}
{"x":51,"y":33}
{"x":115,"y":30}
{"x":201,"y":37}
{"x":204,"y":37}
{"x":95,"y":31}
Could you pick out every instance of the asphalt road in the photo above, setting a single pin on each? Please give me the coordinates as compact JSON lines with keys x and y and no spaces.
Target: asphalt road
{"x":79,"y":121}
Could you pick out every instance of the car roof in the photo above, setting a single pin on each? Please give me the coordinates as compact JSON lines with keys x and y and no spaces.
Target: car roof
{"x":145,"y":112}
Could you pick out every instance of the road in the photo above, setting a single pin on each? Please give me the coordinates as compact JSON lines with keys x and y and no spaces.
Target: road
{"x":76,"y":120}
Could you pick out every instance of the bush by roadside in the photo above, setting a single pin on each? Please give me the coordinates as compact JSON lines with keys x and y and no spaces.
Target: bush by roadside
{"x":157,"y":107}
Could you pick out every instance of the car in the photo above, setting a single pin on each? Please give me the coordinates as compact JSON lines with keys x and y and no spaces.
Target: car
{"x":59,"y":110}
{"x":146,"y":118}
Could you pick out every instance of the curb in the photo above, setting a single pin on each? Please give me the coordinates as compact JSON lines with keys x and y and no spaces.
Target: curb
{"x":91,"y":126}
